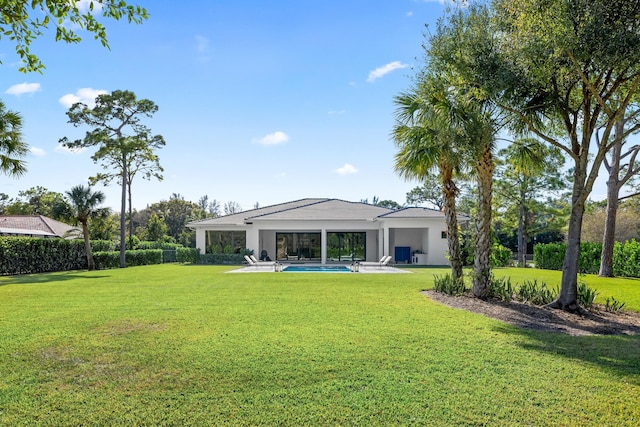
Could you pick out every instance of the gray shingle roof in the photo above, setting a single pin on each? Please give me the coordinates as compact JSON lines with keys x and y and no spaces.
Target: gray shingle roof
{"x":36,"y":225}
{"x":304,"y":209}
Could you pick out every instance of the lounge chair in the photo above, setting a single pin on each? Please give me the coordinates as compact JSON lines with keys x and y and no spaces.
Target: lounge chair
{"x":384,"y":261}
{"x":253,"y":262}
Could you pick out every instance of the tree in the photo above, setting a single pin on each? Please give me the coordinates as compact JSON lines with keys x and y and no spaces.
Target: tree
{"x":231,"y":208}
{"x":426,"y":135}
{"x":564,"y":69}
{"x":120,"y":136}
{"x":176,"y":213}
{"x":24,"y":21}
{"x":528,"y":169}
{"x":619,"y":175}
{"x":38,"y":201}
{"x":12,"y":147}
{"x":430,"y":193}
{"x":389,"y":204}
{"x":84,"y":205}
{"x":156,"y":229}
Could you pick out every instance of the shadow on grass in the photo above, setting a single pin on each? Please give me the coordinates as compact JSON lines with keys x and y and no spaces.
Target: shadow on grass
{"x":40,"y":278}
{"x":616,"y":354}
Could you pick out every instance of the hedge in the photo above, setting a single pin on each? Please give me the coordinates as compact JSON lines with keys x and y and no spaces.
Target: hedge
{"x":111,"y":259}
{"x":626,"y":257}
{"x":26,"y":255}
{"x":226,"y":259}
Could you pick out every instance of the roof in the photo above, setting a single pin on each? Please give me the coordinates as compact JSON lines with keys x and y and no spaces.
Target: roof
{"x":36,"y":225}
{"x":318,"y":209}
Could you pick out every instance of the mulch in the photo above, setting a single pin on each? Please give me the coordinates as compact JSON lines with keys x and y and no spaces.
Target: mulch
{"x":540,"y":318}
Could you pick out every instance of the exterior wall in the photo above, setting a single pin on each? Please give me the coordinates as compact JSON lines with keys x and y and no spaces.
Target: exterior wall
{"x":428,"y":237}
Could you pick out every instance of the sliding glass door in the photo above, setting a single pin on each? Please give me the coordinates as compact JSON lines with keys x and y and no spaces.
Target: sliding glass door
{"x":346,"y":246}
{"x":298,"y":246}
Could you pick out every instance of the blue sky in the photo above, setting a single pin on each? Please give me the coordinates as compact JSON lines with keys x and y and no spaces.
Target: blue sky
{"x":259,"y":101}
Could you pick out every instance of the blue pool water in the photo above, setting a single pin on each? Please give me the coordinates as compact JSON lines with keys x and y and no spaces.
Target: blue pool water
{"x":316,"y":269}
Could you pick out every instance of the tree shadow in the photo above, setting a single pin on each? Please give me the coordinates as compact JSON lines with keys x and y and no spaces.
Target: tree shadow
{"x":616,"y":354}
{"x":42,"y":278}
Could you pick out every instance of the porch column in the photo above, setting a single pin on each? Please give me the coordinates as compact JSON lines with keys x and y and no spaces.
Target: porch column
{"x":386,"y":243}
{"x":323,"y":246}
{"x":253,"y":240}
{"x":201,"y":241}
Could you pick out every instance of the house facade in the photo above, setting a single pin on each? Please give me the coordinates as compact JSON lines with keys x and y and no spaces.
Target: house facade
{"x":329,"y":231}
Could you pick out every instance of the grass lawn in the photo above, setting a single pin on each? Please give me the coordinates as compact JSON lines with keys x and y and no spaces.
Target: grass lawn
{"x":190,"y":345}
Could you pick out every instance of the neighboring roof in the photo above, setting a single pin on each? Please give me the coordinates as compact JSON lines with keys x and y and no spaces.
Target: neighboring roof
{"x":318,"y":209}
{"x":36,"y":225}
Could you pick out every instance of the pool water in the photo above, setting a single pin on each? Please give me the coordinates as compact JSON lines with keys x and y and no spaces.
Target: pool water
{"x":316,"y":269}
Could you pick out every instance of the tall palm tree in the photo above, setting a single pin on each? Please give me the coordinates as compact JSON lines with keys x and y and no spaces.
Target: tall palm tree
{"x":84,"y":205}
{"x":12,"y":148}
{"x":426,"y":136}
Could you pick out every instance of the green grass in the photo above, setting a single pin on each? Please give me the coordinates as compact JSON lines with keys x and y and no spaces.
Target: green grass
{"x":189,"y":345}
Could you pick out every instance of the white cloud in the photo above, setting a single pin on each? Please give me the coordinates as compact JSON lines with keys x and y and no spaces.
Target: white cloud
{"x":274,"y":138}
{"x":22,"y":88}
{"x":347,"y":169}
{"x":410,"y":13}
{"x":65,"y":150}
{"x":86,"y":95}
{"x":384,"y":70}
{"x":39,"y":152}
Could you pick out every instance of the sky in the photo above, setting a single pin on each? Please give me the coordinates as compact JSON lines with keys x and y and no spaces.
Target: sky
{"x":259,"y":101}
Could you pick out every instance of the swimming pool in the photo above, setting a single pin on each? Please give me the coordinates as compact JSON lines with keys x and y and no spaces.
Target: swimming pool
{"x":316,"y":269}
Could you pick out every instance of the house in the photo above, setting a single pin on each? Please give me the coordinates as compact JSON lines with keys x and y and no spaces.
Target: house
{"x":329,"y":230}
{"x":36,"y":226}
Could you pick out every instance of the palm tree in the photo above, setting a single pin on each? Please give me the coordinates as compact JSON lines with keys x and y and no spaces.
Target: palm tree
{"x":426,"y":136}
{"x":84,"y":205}
{"x":11,"y":145}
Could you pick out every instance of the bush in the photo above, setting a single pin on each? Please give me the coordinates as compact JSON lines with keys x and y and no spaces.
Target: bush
{"x":169,"y":255}
{"x":586,"y":296}
{"x":103,"y":245}
{"x":549,"y":256}
{"x":626,"y":259}
{"x":501,"y":289}
{"x":500,"y":256}
{"x":111,"y":259}
{"x":220,"y":259}
{"x":447,"y":285}
{"x":612,"y":305}
{"x":188,"y":255}
{"x":536,"y":293}
{"x":26,"y":255}
{"x":590,"y":256}
{"x":159,"y":245}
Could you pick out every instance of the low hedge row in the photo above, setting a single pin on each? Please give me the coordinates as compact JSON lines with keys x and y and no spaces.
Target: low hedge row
{"x":111,"y":259}
{"x":26,"y":255}
{"x":626,"y":257}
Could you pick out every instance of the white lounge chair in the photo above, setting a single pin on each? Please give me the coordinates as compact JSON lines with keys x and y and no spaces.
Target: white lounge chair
{"x":253,"y":262}
{"x":384,"y":261}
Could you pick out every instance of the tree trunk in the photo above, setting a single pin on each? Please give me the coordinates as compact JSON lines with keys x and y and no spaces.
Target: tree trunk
{"x":91,"y":264}
{"x":449,"y":192}
{"x":522,"y":239}
{"x":482,"y":263}
{"x":613,"y":191}
{"x":568,"y":297}
{"x":123,"y":210}
{"x":130,"y":211}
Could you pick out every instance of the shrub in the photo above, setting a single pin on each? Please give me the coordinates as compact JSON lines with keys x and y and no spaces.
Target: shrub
{"x":111,"y":259}
{"x":501,"y":289}
{"x":187,"y":255}
{"x":590,"y":256}
{"x":103,"y":245}
{"x":447,"y":285}
{"x":612,"y":305}
{"x":586,"y":295}
{"x":549,"y":256}
{"x":159,"y":245}
{"x":220,"y":259}
{"x":626,"y":259}
{"x":536,"y":293}
{"x":26,"y":255}
{"x":500,"y":256}
{"x":169,"y":255}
